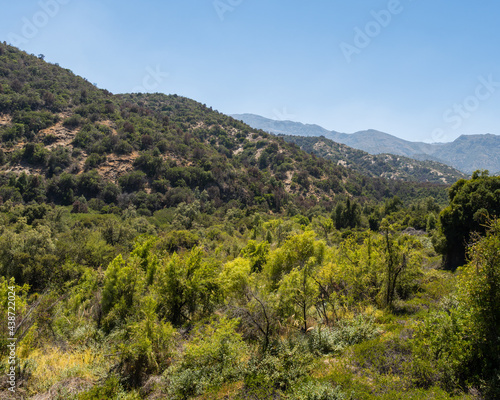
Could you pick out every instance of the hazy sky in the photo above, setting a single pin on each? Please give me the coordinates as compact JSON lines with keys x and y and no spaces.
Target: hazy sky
{"x":423,"y":70}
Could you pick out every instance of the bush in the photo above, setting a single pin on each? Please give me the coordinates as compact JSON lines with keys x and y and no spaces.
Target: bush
{"x":73,"y":122}
{"x":317,"y":391}
{"x":214,"y":356}
{"x":133,"y":181}
{"x":347,"y":333}
{"x":281,"y":366}
{"x":177,"y":240}
{"x":123,"y":147}
{"x":94,"y":160}
{"x":147,"y":347}
{"x":393,"y":356}
{"x":110,"y":389}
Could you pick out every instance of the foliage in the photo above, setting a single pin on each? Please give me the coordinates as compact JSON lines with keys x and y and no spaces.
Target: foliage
{"x":186,"y":286}
{"x":215,"y":355}
{"x":159,"y":249}
{"x":318,"y":391}
{"x":472,"y":203}
{"x":345,"y":334}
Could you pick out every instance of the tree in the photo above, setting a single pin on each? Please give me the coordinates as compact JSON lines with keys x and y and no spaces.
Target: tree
{"x":460,"y":343}
{"x":479,"y":293}
{"x":396,"y":262}
{"x":248,"y":300}
{"x":472,"y":202}
{"x":186,"y":286}
{"x":347,"y":215}
{"x":291,"y":270}
{"x":121,"y":287}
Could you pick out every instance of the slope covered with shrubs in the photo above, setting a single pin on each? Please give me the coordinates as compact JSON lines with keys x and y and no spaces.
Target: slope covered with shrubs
{"x":76,"y":141}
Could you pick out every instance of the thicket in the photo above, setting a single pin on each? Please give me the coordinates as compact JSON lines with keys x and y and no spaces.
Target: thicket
{"x":245,"y":305}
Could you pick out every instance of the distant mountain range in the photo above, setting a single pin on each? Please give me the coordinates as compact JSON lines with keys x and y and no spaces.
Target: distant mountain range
{"x":467,"y":153}
{"x":388,"y":166}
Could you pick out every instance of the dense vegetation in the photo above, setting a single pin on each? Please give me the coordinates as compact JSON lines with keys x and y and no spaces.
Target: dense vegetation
{"x":185,"y":304}
{"x":159,"y":249}
{"x":472,"y":204}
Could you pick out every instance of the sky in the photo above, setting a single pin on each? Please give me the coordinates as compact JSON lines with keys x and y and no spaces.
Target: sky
{"x":422,"y":70}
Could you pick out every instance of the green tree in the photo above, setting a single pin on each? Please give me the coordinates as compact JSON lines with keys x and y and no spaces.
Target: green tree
{"x":186,"y":286}
{"x":472,"y":202}
{"x":291,"y":270}
{"x":215,"y":355}
{"x":459,"y":345}
{"x":123,"y":282}
{"x":479,"y":292}
{"x":402,"y":260}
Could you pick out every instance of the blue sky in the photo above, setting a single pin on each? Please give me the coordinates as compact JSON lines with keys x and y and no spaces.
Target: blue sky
{"x":419,"y":69}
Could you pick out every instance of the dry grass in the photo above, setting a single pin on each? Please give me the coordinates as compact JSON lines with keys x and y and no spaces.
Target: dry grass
{"x":51,"y":365}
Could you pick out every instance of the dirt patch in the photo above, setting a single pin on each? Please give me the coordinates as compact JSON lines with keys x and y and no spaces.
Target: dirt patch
{"x":111,"y":125}
{"x":5,"y":120}
{"x":63,"y":136}
{"x":117,"y":165}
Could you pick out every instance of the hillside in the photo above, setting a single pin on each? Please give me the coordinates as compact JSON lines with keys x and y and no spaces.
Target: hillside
{"x":467,"y":153}
{"x":152,"y":150}
{"x":384,"y":165}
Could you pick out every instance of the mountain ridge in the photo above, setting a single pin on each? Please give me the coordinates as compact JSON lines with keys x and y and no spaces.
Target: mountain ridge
{"x":467,"y":153}
{"x":381,"y":165}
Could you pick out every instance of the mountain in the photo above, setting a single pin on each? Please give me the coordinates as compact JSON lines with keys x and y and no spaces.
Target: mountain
{"x":63,"y":140}
{"x":384,"y":165}
{"x":283,"y":127}
{"x":467,"y":153}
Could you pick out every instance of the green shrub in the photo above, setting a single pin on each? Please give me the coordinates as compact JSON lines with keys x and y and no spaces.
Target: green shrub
{"x":110,"y":389}
{"x":346,"y":333}
{"x":392,"y":357}
{"x":73,"y":122}
{"x":281,"y":366}
{"x":317,"y":391}
{"x":214,"y":356}
{"x":177,"y":240}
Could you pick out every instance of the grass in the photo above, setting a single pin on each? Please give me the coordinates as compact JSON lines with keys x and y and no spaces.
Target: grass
{"x":51,"y":365}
